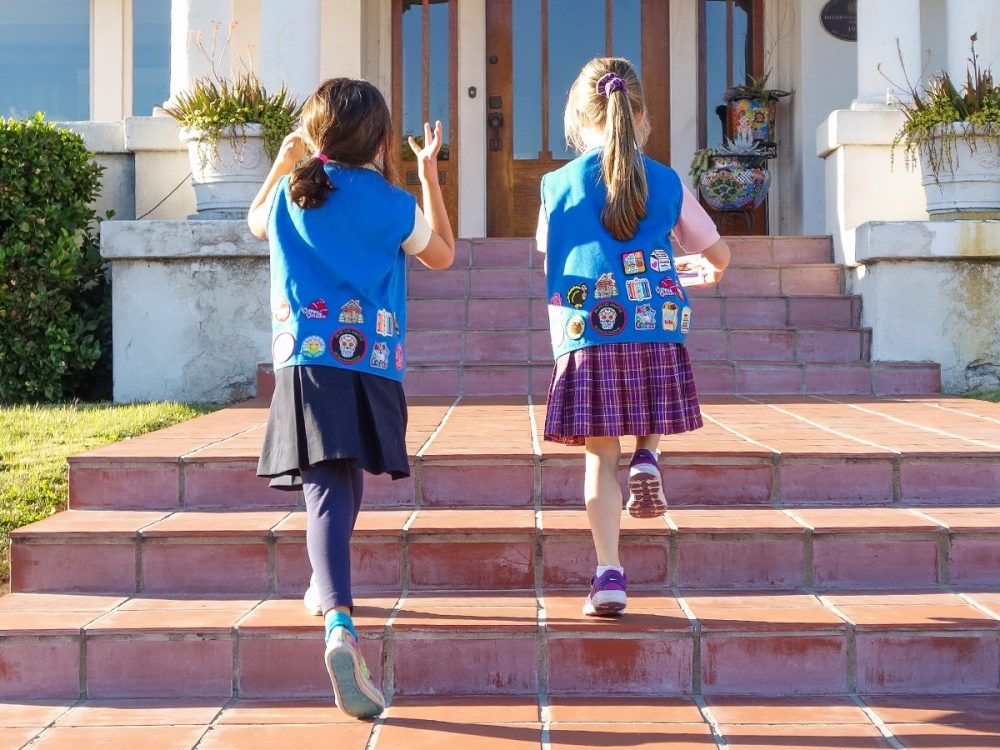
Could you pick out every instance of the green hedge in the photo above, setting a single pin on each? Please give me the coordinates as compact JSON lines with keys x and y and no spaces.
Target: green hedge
{"x":55,"y":309}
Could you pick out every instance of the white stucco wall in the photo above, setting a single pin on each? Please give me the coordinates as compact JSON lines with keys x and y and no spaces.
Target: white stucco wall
{"x":190,"y":309}
{"x":931,"y":291}
{"x":107,"y":141}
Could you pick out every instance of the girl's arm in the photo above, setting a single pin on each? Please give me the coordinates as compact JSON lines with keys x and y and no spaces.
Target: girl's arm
{"x":292,"y":150}
{"x":440,"y":250}
{"x":696,"y":234}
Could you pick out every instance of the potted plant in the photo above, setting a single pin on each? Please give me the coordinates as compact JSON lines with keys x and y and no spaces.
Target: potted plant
{"x":233,"y":128}
{"x":954,"y":135}
{"x":733,"y":176}
{"x":752,"y":107}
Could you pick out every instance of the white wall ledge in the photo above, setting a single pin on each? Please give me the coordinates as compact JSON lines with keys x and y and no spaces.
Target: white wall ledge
{"x":854,"y":127}
{"x":159,"y":133}
{"x":99,"y":137}
{"x":927,"y":241}
{"x":160,"y":239}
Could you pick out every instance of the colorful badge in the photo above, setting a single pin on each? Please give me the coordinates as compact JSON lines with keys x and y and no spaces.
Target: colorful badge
{"x":400,"y":359}
{"x":577,"y":295}
{"x":575,"y":327}
{"x":556,"y":300}
{"x":645,"y":318}
{"x":606,"y":286}
{"x":669,"y":316}
{"x":380,"y":355}
{"x":386,"y":324}
{"x":282,"y":310}
{"x":316,"y":310}
{"x":607,"y":318}
{"x":313,"y":346}
{"x":668,"y":288}
{"x":638,"y":289}
{"x":351,"y":312}
{"x":659,"y":260}
{"x":633,"y":262}
{"x":348,"y":345}
{"x":685,"y":319}
{"x":283,"y":347}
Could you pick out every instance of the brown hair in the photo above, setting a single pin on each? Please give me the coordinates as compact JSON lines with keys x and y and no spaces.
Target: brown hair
{"x":614,"y":115}
{"x":347,"y":120}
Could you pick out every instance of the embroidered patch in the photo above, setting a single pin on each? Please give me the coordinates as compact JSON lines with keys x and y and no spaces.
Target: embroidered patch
{"x":633,"y":262}
{"x":556,"y":300}
{"x":348,"y":345}
{"x":645,"y":318}
{"x":386,"y":324}
{"x":400,"y":360}
{"x":316,"y":310}
{"x":351,"y":312}
{"x":577,"y":295}
{"x":607,"y":318}
{"x":659,"y":260}
{"x":313,"y":346}
{"x":282,"y":310}
{"x":638,"y":289}
{"x":685,"y":319}
{"x":283,"y":347}
{"x":575,"y":327}
{"x":606,"y":286}
{"x":669,"y":288}
{"x":669,"y":316}
{"x":380,"y":355}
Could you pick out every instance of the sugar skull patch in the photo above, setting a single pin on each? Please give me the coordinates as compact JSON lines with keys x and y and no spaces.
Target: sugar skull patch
{"x":351,"y":312}
{"x":645,"y":318}
{"x":316,"y":310}
{"x":348,"y":345}
{"x":577,"y":295}
{"x":659,"y":260}
{"x":607,"y":318}
{"x":633,"y":262}
{"x":638,"y":289}
{"x":282,"y":347}
{"x":380,"y":355}
{"x":313,"y":346}
{"x":606,"y":286}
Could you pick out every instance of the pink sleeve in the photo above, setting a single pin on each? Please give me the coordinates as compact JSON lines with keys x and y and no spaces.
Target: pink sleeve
{"x":695,"y":230}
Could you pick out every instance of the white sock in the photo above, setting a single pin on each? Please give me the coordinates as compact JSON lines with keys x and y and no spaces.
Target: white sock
{"x":602,"y":569}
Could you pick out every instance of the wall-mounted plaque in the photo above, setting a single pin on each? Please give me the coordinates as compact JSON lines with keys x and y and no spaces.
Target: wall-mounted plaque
{"x":840,"y":19}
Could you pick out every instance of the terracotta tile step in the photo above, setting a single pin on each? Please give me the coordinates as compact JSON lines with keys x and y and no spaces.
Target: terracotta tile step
{"x":258,"y":553}
{"x":505,"y":643}
{"x":511,"y":722}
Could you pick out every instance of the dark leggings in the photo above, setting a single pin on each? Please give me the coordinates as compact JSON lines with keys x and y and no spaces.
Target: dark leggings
{"x":333,"y":492}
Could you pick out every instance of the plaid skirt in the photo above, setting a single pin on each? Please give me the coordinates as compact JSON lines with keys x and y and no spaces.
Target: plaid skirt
{"x":610,"y":390}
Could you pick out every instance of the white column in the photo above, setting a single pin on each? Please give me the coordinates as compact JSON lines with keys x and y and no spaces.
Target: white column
{"x":888,"y":36}
{"x":190,"y":21}
{"x":966,"y":17}
{"x":471,"y":117}
{"x":110,"y":66}
{"x":289,"y":44}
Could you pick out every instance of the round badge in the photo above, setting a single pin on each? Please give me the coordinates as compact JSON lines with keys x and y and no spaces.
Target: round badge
{"x":282,"y":310}
{"x":313,"y":346}
{"x":575,"y":327}
{"x":607,"y":318}
{"x":348,"y":345}
{"x":283,"y":347}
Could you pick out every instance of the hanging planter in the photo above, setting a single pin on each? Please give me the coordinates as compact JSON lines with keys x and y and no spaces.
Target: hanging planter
{"x":752,"y":108}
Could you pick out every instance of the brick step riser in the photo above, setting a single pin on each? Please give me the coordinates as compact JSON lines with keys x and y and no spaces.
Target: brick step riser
{"x":524,"y":314}
{"x":780,"y":663}
{"x":696,"y":481}
{"x":264,"y":566}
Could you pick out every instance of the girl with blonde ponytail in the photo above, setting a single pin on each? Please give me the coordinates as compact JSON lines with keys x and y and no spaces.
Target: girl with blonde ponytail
{"x":618,"y":310}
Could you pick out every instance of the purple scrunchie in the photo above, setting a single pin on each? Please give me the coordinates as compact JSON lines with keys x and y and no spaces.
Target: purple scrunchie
{"x":611,"y":82}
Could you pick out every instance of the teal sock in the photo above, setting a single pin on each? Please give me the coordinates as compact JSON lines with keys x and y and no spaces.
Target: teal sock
{"x":335,"y":619}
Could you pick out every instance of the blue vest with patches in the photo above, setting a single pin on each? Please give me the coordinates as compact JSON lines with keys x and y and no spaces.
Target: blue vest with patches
{"x":601,"y":290}
{"x":338,"y":275}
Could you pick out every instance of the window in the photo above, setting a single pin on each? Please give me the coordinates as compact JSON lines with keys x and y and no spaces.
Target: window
{"x":150,"y":55}
{"x":45,"y":59}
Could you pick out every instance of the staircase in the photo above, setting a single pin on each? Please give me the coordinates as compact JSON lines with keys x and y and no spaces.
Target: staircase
{"x":828,"y":574}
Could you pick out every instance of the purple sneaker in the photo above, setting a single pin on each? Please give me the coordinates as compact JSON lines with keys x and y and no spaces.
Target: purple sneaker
{"x":607,"y":595}
{"x":645,"y":499}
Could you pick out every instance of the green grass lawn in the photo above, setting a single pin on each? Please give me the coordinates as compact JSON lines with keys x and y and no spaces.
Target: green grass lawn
{"x":993,"y":396}
{"x":36,"y":440}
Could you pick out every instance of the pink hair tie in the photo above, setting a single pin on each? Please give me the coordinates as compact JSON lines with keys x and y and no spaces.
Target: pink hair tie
{"x":610,"y":82}
{"x":321,"y":156}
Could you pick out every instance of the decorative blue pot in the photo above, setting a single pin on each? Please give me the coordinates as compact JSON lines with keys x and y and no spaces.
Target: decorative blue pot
{"x":734,"y":184}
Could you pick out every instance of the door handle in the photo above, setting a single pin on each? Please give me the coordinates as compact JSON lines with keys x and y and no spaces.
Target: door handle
{"x":494,"y":121}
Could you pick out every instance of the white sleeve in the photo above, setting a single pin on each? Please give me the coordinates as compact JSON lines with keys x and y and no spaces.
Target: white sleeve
{"x":420,"y":237}
{"x":542,"y":232}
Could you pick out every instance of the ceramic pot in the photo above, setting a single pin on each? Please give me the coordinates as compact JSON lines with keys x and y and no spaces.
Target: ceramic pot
{"x":967,"y":179}
{"x":226,"y":175}
{"x":732,"y":183}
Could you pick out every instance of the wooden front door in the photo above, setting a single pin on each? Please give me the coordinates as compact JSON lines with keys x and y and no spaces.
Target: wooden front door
{"x":534,"y":51}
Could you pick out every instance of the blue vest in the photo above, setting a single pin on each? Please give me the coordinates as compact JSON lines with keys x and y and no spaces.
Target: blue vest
{"x":601,"y":290}
{"x":338,"y":275}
